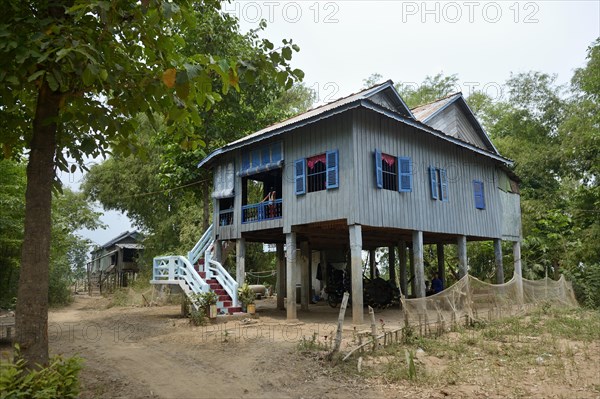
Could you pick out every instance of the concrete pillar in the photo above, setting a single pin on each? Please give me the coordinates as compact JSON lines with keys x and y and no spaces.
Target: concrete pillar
{"x":323,"y":257}
{"x":518,"y":270}
{"x":392,"y":264}
{"x":290,"y":243}
{"x":305,"y":276}
{"x":240,"y":253}
{"x":218,"y":251}
{"x":372,"y":263}
{"x":498,"y":259}
{"x":441,"y":264}
{"x":462,"y":256}
{"x":402,"y":261}
{"x":418,"y":264}
{"x":411,"y":268}
{"x":356,"y":269}
{"x":280,"y":277}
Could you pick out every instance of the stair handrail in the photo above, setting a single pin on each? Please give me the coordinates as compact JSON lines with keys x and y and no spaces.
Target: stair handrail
{"x":178,"y":267}
{"x":201,"y":246}
{"x":217,"y":271}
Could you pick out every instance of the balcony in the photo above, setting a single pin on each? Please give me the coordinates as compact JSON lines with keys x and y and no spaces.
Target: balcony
{"x":226,"y":217}
{"x":267,"y":210}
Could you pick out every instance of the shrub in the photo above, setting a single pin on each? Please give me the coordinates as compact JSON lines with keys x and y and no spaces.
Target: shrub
{"x":58,"y":380}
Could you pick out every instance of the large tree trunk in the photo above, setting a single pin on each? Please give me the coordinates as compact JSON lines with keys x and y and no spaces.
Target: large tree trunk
{"x":32,"y":296}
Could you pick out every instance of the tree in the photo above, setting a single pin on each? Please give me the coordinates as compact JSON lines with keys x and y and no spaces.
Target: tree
{"x":73,"y":73}
{"x":432,"y":88}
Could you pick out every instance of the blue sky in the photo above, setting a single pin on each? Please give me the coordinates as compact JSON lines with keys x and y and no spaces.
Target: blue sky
{"x":343,"y":42}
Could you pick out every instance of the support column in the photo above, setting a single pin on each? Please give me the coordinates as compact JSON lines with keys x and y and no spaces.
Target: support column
{"x":462,"y":256}
{"x":356,"y":269}
{"x":411,"y":268}
{"x":518,"y":270}
{"x":441,"y":264}
{"x":418,"y":264}
{"x":218,"y":251}
{"x":392,"y":264}
{"x":280,"y":277}
{"x":372,"y":263}
{"x":290,"y":243}
{"x":240,"y":264}
{"x":402,"y":256}
{"x":498,"y":258}
{"x":323,"y":256}
{"x":305,"y":276}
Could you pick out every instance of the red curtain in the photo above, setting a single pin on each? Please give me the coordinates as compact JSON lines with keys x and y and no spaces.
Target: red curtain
{"x":390,"y":160}
{"x":313,"y":160}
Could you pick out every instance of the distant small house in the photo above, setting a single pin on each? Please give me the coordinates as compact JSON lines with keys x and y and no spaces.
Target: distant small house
{"x":114,"y":264}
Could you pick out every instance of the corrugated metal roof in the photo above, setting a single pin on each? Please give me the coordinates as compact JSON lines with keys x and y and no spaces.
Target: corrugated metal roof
{"x":305,"y":117}
{"x":416,"y":118}
{"x":423,"y":112}
{"x":130,"y":246}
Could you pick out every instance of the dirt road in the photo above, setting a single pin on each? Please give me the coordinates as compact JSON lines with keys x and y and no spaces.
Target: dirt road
{"x":152,"y":352}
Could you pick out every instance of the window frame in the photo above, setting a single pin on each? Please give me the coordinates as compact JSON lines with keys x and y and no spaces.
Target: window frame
{"x":403,"y":173}
{"x":438,"y":183}
{"x":331,"y":173}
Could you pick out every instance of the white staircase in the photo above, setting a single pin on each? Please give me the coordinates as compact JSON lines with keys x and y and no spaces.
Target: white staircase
{"x":197,"y":273}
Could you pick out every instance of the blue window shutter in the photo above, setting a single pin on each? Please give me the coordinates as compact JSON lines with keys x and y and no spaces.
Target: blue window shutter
{"x":300,"y":176}
{"x":332,"y":169}
{"x":433,"y":182}
{"x":443,"y":185}
{"x":378,"y":169}
{"x":245,"y":161}
{"x":405,"y":178}
{"x":478,"y":194}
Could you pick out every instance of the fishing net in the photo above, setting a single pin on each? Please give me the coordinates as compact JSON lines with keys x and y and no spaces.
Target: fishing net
{"x":472,"y":299}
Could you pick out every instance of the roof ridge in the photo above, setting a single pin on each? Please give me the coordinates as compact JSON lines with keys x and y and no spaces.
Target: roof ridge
{"x":438,"y":100}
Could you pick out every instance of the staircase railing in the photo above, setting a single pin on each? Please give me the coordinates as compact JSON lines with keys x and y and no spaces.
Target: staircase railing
{"x":215,"y":270}
{"x":201,"y":246}
{"x":177,"y":269}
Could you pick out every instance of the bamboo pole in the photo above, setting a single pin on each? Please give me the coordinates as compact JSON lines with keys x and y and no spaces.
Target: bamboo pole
{"x":338,"y":337}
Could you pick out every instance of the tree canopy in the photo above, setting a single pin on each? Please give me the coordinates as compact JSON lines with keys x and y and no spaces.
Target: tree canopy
{"x":73,"y":76}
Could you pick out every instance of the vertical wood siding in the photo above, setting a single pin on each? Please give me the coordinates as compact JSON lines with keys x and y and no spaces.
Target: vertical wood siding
{"x":454,"y":122}
{"x":416,"y":210}
{"x":334,"y":133}
{"x":356,"y":134}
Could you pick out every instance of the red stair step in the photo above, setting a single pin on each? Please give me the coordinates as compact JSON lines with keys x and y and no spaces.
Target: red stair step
{"x":224,"y":298}
{"x":226,"y":304}
{"x":220,"y":291}
{"x":202,"y":274}
{"x":233,"y":310}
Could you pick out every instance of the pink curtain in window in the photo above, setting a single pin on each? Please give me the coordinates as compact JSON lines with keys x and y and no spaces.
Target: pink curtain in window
{"x":390,"y":160}
{"x":313,"y":160}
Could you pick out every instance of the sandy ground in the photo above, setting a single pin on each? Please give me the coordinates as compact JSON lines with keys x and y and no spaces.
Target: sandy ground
{"x":153,"y":352}
{"x":141,"y":352}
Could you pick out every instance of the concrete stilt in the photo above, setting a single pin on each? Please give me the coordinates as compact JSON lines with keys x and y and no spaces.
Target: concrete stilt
{"x":290,"y":243}
{"x":463,"y":267}
{"x":280,"y":277}
{"x":418,"y":264}
{"x":356,"y":268}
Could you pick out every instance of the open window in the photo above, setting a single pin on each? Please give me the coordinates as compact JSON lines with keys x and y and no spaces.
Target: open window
{"x":316,"y":173}
{"x":262,"y":196}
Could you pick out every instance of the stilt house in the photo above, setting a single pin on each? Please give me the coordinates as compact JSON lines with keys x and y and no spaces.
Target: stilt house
{"x":360,"y":173}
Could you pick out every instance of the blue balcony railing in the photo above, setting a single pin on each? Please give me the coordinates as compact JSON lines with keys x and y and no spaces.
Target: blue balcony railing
{"x":267,"y":210}
{"x":226,"y":217}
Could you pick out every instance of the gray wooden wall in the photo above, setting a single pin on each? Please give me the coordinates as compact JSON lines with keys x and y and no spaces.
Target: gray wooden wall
{"x":356,"y":134}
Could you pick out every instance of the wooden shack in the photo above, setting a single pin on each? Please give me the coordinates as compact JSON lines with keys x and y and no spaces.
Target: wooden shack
{"x":114,"y":264}
{"x":361,"y":173}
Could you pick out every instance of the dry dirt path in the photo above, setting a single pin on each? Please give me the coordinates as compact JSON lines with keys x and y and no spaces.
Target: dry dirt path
{"x":151,"y":352}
